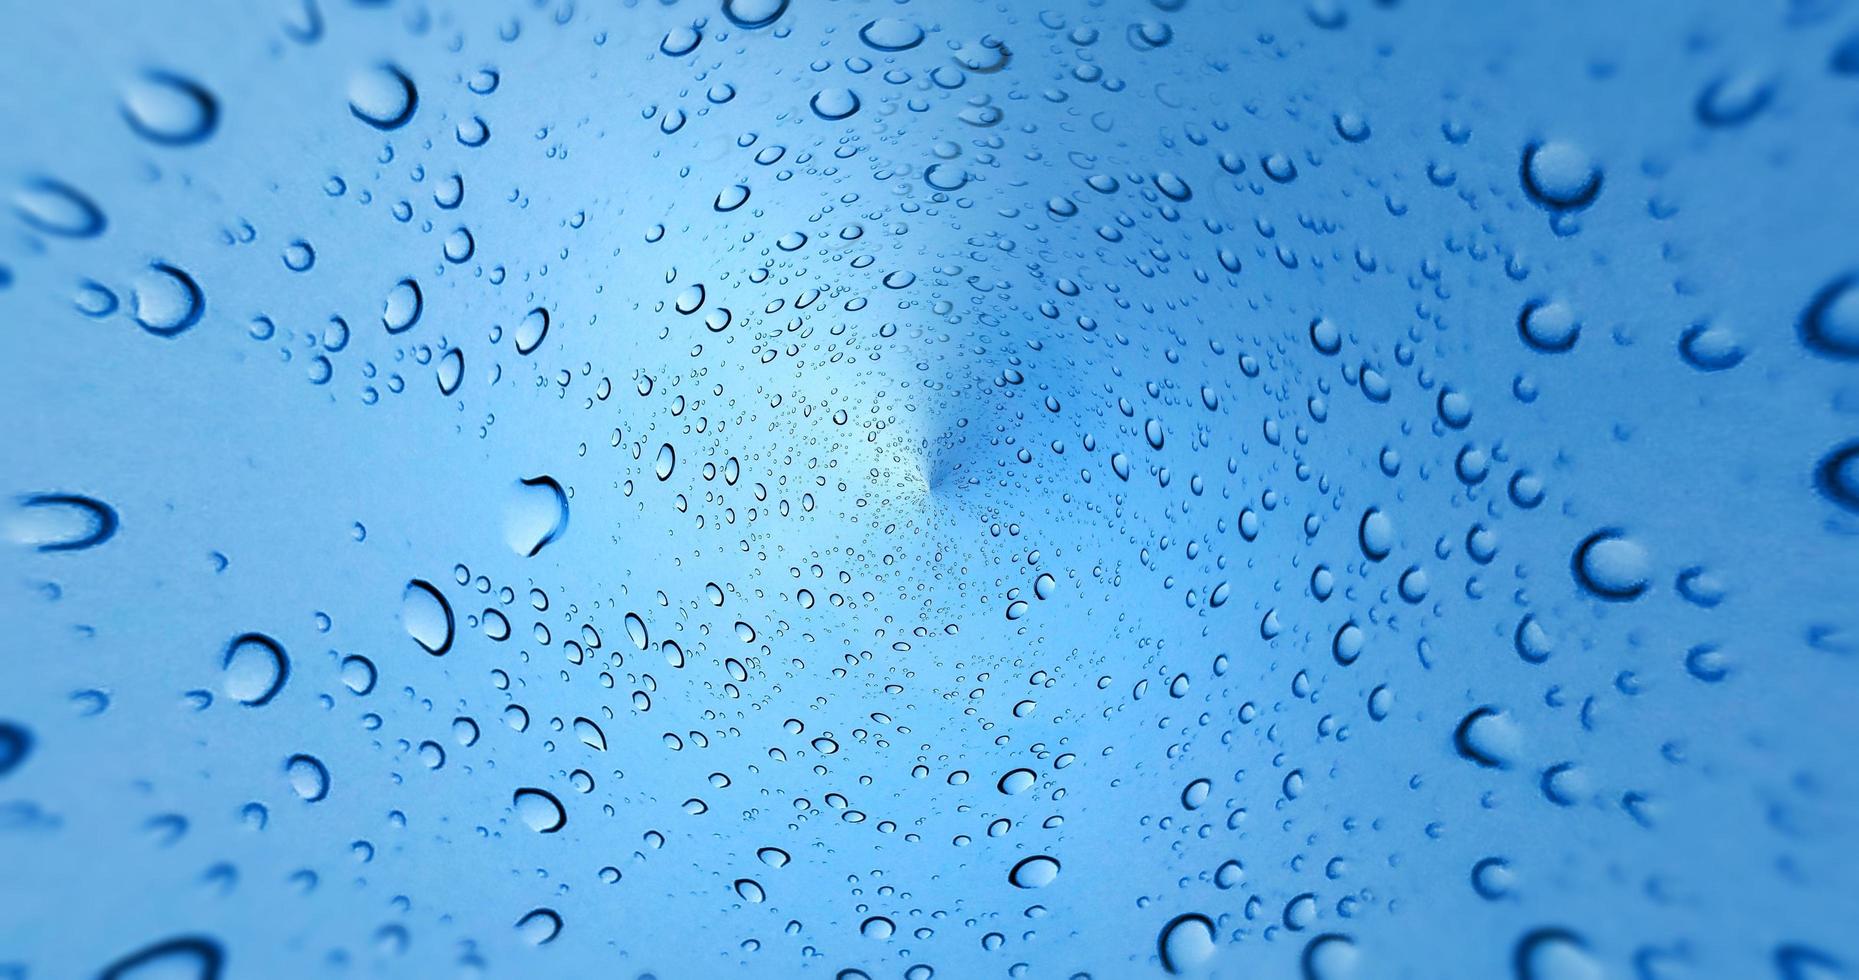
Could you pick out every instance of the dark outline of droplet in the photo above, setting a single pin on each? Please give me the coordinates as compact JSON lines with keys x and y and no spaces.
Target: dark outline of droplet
{"x":209,"y":953}
{"x":549,"y":914}
{"x":277,"y":655}
{"x":15,"y":744}
{"x":209,"y":104}
{"x":94,"y":220}
{"x":374,"y":674}
{"x":1478,"y":870}
{"x":1548,"y":784}
{"x":1161,"y":938}
{"x":450,"y":623}
{"x":419,"y":306}
{"x":405,"y":116}
{"x":544,"y":335}
{"x":875,"y":46}
{"x":196,"y":302}
{"x":750,"y":25}
{"x":1362,"y":538}
{"x":1526,"y":946}
{"x":1590,"y":585}
{"x":814,"y":104}
{"x":1790,"y":958}
{"x":1523,"y":331}
{"x":1827,"y":475}
{"x":321,"y":770}
{"x":102,"y":514}
{"x":457,"y":354}
{"x":1462,"y":743}
{"x":1308,"y":961}
{"x":1013,"y":874}
{"x":1710,"y":119}
{"x":1809,"y":324}
{"x":1542,"y":198}
{"x":516,"y":798}
{"x":561,"y":506}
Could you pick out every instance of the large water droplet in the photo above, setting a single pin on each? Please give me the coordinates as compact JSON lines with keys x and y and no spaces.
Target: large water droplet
{"x":170,"y":109}
{"x":255,"y":667}
{"x":427,"y":617}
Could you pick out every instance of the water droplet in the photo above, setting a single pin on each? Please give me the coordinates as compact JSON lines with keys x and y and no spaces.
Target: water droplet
{"x":180,"y":958}
{"x":383,"y":97}
{"x":530,"y":333}
{"x":255,"y":667}
{"x":834,"y":103}
{"x":56,"y":208}
{"x":891,"y":34}
{"x":170,"y":109}
{"x":166,"y":301}
{"x":539,"y":810}
{"x":1829,"y":325}
{"x":751,"y":14}
{"x":54,"y":522}
{"x":535,"y":515}
{"x":1188,"y":941}
{"x":1559,"y":175}
{"x":539,"y":926}
{"x":1612,"y":566}
{"x":308,"y":777}
{"x":1034,"y":872}
{"x":427,"y":617}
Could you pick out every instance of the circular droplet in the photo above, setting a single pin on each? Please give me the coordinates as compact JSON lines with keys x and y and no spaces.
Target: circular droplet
{"x":834,"y":104}
{"x":877,"y":927}
{"x":1612,"y":566}
{"x":540,"y":810}
{"x":1559,"y":175}
{"x":1548,"y":326}
{"x":1186,"y":942}
{"x":256,"y":668}
{"x":166,"y":301}
{"x":405,"y":303}
{"x":308,"y":777}
{"x":383,"y":97}
{"x":1554,"y":954}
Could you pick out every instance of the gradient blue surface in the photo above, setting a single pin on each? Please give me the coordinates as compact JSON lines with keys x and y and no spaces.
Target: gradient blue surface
{"x":1118,"y":489}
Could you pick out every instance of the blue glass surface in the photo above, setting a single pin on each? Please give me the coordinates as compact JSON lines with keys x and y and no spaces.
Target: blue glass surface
{"x":818,"y":488}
